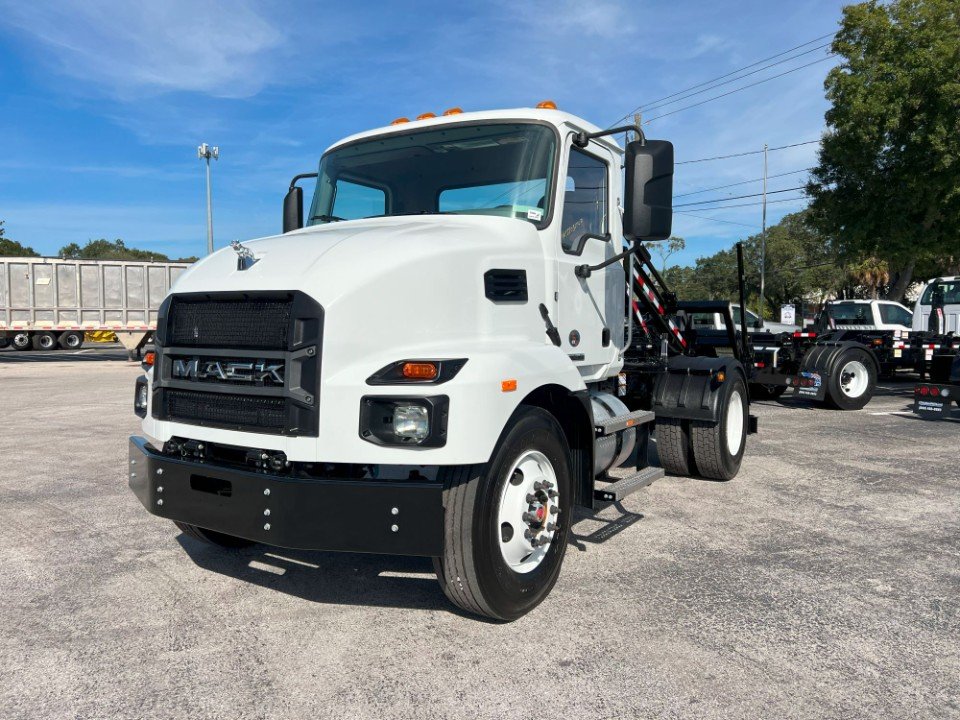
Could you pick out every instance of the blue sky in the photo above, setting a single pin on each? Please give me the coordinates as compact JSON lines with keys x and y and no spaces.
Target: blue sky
{"x":103,"y":103}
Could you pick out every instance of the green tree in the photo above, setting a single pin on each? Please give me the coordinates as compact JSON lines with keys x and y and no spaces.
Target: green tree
{"x":666,"y":249}
{"x":888,"y":181}
{"x":105,"y":250}
{"x":11,"y":248}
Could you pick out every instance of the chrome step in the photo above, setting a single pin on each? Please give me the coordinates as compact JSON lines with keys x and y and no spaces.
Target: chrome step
{"x":622,"y":422}
{"x":621,"y":488}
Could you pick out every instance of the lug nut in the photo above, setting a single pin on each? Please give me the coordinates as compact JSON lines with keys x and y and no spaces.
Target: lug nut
{"x":553,"y":494}
{"x":554,"y":510}
{"x":529,"y":517}
{"x":551,"y":527}
{"x":531,"y":498}
{"x":530,"y":535}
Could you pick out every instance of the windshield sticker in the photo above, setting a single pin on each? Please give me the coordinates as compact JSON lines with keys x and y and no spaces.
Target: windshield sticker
{"x":535,"y":215}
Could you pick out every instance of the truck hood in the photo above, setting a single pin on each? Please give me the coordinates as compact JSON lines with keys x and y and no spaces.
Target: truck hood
{"x":412,"y":282}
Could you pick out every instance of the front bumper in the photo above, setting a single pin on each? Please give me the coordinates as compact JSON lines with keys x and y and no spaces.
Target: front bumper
{"x":391,"y":517}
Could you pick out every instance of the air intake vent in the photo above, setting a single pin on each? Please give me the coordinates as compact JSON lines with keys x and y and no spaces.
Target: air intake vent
{"x":505,"y":285}
{"x":254,"y":323}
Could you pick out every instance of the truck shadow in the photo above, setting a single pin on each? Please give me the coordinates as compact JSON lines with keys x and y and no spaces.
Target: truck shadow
{"x":327,"y":577}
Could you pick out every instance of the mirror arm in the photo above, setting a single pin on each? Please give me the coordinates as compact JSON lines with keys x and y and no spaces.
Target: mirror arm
{"x":585,"y":271}
{"x":582,"y":138}
{"x":301,"y":176}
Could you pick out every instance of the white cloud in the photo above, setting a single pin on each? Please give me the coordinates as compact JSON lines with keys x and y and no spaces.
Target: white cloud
{"x":132,"y":49}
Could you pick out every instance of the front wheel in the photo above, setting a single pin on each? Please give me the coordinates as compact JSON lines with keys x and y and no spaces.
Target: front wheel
{"x":506,"y":523}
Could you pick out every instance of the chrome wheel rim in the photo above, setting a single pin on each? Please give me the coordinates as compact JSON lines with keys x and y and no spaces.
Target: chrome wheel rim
{"x":527,"y":516}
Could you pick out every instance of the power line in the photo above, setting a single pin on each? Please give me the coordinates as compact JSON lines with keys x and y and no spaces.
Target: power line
{"x":748,"y":152}
{"x":740,"y":197}
{"x":658,"y":104}
{"x":749,"y":204}
{"x":742,"y":182}
{"x":736,"y":90}
{"x":721,"y":77}
{"x":726,"y":222}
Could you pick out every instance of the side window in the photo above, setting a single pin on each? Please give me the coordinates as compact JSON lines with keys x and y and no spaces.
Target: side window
{"x":584,"y":200}
{"x":894,"y":315}
{"x":354,"y":200}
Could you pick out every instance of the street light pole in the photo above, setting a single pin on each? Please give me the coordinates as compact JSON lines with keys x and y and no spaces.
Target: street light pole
{"x":205,"y":152}
{"x":763,"y":233}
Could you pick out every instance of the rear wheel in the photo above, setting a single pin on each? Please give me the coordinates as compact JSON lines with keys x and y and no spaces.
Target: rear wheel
{"x":718,"y":446}
{"x":21,"y":341}
{"x":673,"y":446}
{"x":506,"y":523}
{"x":212,"y":537}
{"x":44,"y":341}
{"x":851,"y":385}
{"x":71,"y":340}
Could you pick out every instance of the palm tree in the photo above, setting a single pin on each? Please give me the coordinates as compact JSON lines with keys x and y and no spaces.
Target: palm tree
{"x":872,"y":273}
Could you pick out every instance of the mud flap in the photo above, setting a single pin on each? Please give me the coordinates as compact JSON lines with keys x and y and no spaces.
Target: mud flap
{"x":688,"y":390}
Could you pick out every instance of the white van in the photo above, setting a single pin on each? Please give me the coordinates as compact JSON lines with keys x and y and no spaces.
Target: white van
{"x":950,"y":286}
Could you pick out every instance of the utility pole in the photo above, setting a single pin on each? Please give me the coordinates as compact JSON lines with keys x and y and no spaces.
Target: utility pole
{"x":205,"y":152}
{"x":763,"y":234}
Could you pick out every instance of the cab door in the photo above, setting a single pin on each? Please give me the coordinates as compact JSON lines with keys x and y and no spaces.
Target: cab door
{"x":591,"y":310}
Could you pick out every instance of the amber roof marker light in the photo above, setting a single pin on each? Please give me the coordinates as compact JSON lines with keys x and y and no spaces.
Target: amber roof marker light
{"x":426,"y":116}
{"x":546,"y":105}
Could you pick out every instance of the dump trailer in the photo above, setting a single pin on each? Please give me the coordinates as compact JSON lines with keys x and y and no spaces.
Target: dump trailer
{"x":49,"y":303}
{"x":435,"y":358}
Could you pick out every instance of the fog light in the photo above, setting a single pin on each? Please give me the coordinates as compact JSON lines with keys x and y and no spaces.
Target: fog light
{"x":411,"y":421}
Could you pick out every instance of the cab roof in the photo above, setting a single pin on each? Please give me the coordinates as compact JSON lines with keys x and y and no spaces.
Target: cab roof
{"x":558,"y":118}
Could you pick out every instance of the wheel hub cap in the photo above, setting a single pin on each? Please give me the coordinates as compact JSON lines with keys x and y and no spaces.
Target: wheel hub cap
{"x":528,"y":510}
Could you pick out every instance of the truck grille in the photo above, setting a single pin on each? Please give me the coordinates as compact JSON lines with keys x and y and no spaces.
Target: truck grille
{"x":226,"y":410}
{"x":245,"y":361}
{"x":242,"y":323}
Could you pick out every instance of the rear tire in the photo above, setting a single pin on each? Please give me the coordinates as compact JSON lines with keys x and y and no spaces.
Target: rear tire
{"x":71,"y":340}
{"x":21,"y":341}
{"x":488,"y":567}
{"x":3,"y":342}
{"x":212,"y":537}
{"x":718,"y":447}
{"x":673,"y":446}
{"x":851,"y":385}
{"x":44,"y":341}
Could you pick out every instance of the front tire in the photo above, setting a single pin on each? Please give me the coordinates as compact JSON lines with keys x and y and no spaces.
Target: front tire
{"x":212,"y":537}
{"x":506,"y":523}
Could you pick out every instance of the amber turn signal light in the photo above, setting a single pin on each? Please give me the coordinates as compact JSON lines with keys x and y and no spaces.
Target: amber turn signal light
{"x":150,"y":358}
{"x":508,"y":386}
{"x":419,"y":371}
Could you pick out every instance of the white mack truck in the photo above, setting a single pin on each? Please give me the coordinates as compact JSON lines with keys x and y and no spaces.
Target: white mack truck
{"x":454,"y":347}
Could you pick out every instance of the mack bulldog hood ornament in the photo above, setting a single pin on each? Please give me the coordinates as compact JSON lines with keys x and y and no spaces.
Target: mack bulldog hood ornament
{"x":245,"y":258}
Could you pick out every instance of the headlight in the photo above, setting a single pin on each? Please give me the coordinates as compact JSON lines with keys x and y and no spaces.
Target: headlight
{"x":140,"y":397}
{"x":405,"y":421}
{"x":411,"y":421}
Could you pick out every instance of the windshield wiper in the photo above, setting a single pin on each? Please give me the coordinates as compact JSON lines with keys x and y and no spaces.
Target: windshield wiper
{"x":328,"y":218}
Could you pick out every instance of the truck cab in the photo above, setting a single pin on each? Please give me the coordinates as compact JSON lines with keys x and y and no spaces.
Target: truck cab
{"x":941,"y":300}
{"x":430,"y":358}
{"x":864,"y":315}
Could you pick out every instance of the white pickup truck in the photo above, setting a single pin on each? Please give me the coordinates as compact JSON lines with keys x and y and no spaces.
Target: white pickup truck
{"x":864,"y":315}
{"x":714,"y":321}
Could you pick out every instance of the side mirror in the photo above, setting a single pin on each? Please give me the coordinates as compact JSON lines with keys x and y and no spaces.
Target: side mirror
{"x":648,"y":201}
{"x":293,"y":209}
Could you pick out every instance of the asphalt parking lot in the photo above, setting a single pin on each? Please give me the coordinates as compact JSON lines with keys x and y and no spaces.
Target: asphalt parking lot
{"x":823,"y":582}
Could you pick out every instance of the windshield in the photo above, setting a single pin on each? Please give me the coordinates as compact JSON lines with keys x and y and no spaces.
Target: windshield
{"x":950,"y":289}
{"x":485,"y":169}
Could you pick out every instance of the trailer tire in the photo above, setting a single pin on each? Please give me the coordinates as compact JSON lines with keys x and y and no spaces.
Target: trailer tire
{"x":211,"y":537}
{"x":71,"y":340}
{"x":766,"y":392}
{"x":44,"y":341}
{"x":474,"y":571}
{"x":718,"y":447}
{"x":673,"y":446}
{"x":3,"y":342}
{"x":853,"y":381}
{"x":21,"y":341}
